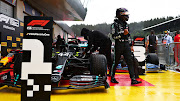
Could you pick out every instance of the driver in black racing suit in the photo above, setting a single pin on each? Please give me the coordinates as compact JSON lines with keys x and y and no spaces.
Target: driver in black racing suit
{"x":120,"y":34}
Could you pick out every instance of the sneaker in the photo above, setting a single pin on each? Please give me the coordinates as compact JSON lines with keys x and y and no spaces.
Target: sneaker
{"x":135,"y":81}
{"x":113,"y":80}
{"x":107,"y":85}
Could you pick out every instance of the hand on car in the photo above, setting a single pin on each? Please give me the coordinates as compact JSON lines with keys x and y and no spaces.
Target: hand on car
{"x":84,"y":53}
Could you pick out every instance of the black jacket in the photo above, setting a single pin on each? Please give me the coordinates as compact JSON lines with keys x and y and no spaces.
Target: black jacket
{"x":59,"y":42}
{"x":96,"y":39}
{"x":152,"y":40}
{"x":117,"y":29}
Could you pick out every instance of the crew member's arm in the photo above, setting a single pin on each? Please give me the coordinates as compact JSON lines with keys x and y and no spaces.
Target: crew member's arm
{"x":147,"y":44}
{"x":95,"y":47}
{"x":156,"y":41}
{"x":90,"y":41}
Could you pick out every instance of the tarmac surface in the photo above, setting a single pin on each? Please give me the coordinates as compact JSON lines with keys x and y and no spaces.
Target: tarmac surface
{"x":162,"y":86}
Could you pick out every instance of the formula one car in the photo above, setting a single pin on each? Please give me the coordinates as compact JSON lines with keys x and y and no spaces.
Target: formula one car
{"x":152,"y":63}
{"x":6,"y":69}
{"x":81,"y":73}
{"x":6,"y":60}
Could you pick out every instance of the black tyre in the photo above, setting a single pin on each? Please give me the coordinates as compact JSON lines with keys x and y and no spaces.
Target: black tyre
{"x":163,"y":67}
{"x":98,"y":65}
{"x":152,"y":58}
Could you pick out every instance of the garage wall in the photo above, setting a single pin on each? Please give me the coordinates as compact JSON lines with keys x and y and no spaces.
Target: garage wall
{"x":6,"y":9}
{"x":20,"y":13}
{"x":19,"y":10}
{"x":57,"y":31}
{"x":11,"y":35}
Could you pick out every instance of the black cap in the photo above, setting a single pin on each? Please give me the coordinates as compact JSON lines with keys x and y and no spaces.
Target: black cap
{"x":84,"y":31}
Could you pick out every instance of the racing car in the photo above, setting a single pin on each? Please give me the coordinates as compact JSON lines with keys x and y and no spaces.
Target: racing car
{"x":6,"y":69}
{"x":81,"y":73}
{"x":6,"y":60}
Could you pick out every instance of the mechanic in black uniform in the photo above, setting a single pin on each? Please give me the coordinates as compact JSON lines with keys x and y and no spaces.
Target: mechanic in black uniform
{"x":97,"y":40}
{"x":60,"y":44}
{"x":152,"y":41}
{"x":122,"y":47}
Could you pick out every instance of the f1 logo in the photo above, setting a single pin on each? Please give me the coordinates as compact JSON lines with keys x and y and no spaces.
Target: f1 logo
{"x":38,"y":22}
{"x":139,"y":39}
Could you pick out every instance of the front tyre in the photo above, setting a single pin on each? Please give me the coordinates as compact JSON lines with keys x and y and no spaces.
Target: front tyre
{"x":98,"y":65}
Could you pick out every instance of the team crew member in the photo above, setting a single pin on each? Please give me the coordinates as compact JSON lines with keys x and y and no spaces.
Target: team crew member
{"x":167,"y":39}
{"x":120,"y":34}
{"x":58,"y":43}
{"x":152,"y":41}
{"x":97,"y":40}
{"x":177,"y":48}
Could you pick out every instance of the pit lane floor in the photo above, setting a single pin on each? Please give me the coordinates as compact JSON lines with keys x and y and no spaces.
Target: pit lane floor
{"x":162,"y":86}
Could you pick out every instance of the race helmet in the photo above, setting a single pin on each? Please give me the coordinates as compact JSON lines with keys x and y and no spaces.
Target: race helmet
{"x":122,"y":13}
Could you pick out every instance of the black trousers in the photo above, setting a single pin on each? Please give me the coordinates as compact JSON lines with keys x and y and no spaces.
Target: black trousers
{"x":105,"y":49}
{"x":152,"y":49}
{"x":123,"y":48}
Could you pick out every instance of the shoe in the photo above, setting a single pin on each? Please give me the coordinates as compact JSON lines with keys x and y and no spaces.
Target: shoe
{"x":134,"y":81}
{"x":106,"y":85}
{"x":113,"y":80}
{"x":137,"y":77}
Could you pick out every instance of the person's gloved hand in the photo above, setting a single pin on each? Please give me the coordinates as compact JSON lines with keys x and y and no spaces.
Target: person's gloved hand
{"x":126,"y":31}
{"x":83,"y":54}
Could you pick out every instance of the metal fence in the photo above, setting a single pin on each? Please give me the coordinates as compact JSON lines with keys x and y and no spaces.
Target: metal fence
{"x":169,"y":55}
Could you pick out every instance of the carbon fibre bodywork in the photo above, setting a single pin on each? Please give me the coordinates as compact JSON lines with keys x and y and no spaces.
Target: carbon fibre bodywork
{"x":77,"y":71}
